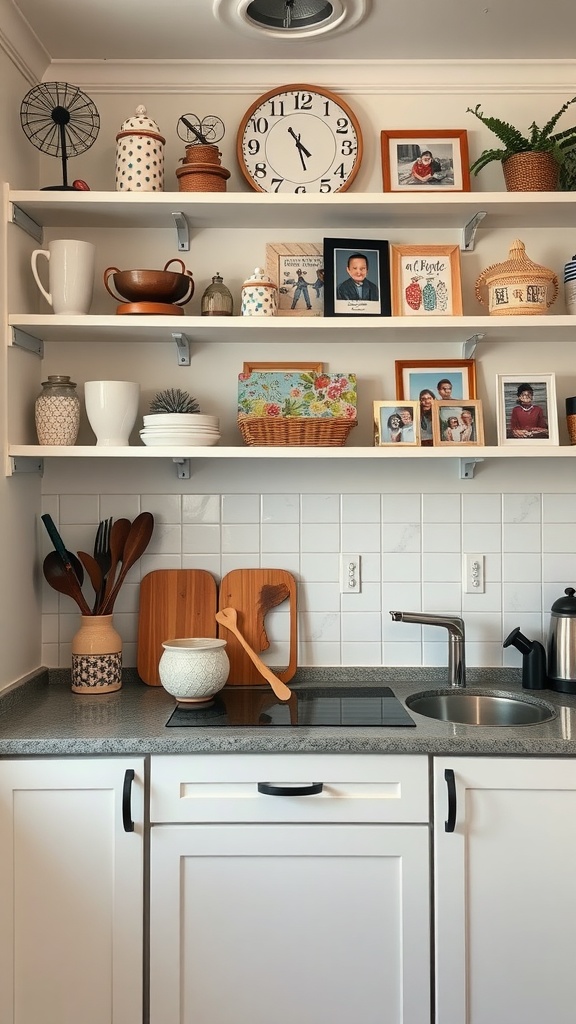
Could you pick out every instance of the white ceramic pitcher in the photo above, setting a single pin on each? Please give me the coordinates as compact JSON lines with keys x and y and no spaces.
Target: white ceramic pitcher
{"x":70,"y":275}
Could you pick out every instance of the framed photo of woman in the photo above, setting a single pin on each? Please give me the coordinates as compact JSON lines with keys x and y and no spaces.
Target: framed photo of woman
{"x":396,"y":423}
{"x":527,"y":413}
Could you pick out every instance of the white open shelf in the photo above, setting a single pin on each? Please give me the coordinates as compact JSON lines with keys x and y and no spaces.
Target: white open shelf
{"x":290,"y":452}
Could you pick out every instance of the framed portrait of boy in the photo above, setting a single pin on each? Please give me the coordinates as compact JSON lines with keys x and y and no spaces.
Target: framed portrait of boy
{"x":356,"y":277}
{"x":457,"y":424}
{"x":425,"y":161}
{"x":426,"y":280}
{"x":396,"y":424}
{"x":526,"y":410}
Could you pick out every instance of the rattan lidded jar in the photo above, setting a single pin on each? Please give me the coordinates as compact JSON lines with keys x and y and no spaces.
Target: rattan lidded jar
{"x":518,"y":286}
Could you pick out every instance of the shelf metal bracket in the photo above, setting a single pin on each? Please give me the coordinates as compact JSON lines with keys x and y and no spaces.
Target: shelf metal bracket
{"x":20,"y":339}
{"x":182,"y":231}
{"x":469,"y":232}
{"x":26,"y":464}
{"x":469,"y":346}
{"x":27,"y":224}
{"x":183,"y":346}
{"x":467,"y":467}
{"x":182,"y":468}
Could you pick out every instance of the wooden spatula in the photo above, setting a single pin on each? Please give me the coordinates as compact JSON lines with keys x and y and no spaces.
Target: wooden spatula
{"x":228,"y":617}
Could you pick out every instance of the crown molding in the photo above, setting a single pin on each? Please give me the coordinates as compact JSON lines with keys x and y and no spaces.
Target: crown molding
{"x":360,"y":78}
{"x":20,"y":45}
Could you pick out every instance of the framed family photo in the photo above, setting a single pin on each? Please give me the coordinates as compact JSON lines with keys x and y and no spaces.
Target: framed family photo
{"x":298,"y":270}
{"x":356,"y":277}
{"x":396,"y":423}
{"x":432,"y":380}
{"x":425,"y":161}
{"x":426,"y":280}
{"x":527,"y":413}
{"x":454,"y":424}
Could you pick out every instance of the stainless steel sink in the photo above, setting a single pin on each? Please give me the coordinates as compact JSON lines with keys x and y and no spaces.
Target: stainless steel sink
{"x":476,"y":707}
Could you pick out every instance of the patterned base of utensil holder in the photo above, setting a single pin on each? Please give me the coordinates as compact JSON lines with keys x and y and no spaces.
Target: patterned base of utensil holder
{"x":96,"y":656}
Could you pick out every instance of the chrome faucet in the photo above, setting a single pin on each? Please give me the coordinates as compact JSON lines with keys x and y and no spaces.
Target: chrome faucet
{"x":456,"y":645}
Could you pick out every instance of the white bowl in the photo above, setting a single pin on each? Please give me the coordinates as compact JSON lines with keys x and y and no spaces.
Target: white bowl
{"x":162,"y":419}
{"x":179,"y":430}
{"x":197,"y":440}
{"x":194,"y":668}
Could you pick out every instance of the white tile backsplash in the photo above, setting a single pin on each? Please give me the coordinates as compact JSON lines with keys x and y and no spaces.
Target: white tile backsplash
{"x":411,"y":546}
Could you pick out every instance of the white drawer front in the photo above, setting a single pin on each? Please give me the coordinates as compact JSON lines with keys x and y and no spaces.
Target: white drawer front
{"x":355,"y":788}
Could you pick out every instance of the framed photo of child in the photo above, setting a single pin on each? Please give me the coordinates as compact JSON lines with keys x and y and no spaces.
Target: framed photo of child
{"x":527,"y":413}
{"x":356,"y":277}
{"x":396,"y":424}
{"x":425,"y":161}
{"x":457,"y":424}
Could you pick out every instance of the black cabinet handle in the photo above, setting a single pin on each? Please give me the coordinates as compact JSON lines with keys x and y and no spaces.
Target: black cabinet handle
{"x":269,"y":789}
{"x":126,"y":795}
{"x":450,"y":823}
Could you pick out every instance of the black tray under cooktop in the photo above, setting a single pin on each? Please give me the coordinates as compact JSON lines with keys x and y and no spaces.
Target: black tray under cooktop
{"x":343,"y":706}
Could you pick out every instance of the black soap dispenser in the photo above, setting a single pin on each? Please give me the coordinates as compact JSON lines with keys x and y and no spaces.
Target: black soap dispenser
{"x":533,"y":659}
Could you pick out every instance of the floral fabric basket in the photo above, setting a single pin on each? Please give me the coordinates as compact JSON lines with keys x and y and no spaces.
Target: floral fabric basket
{"x":296,"y":407}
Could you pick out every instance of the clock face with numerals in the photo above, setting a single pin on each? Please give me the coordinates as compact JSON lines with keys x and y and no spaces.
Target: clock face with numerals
{"x":299,"y":138}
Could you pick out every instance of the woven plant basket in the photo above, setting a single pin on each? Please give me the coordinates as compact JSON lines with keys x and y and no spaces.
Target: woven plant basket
{"x":262,"y":430}
{"x":531,"y":172}
{"x":202,"y":178}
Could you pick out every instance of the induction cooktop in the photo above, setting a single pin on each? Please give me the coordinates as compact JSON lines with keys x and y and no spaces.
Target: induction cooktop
{"x":343,"y":706}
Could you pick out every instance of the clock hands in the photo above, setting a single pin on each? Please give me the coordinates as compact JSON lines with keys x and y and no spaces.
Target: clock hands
{"x":302,"y":151}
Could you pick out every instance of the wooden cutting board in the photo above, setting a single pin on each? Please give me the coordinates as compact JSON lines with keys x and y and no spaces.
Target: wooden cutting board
{"x":253,"y":592}
{"x":173,"y":603}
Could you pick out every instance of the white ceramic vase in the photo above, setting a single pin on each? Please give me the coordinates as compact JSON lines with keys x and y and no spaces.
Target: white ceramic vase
{"x":193,"y":669}
{"x":111,"y":408}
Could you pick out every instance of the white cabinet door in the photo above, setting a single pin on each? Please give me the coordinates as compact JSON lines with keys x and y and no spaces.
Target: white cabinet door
{"x":295,"y":924}
{"x":505,"y":891}
{"x":71,"y":891}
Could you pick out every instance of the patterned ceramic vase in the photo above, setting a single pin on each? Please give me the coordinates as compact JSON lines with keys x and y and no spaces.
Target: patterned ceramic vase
{"x":570,"y":286}
{"x":259,"y":295}
{"x":96,"y":656}
{"x":57,"y":411}
{"x":140,"y":155}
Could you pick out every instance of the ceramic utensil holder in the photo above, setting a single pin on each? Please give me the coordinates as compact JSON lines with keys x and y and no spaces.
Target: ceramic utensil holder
{"x":96,"y":656}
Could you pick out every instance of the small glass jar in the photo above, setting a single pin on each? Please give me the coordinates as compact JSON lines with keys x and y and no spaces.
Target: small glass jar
{"x":217,"y":299}
{"x":57,"y":411}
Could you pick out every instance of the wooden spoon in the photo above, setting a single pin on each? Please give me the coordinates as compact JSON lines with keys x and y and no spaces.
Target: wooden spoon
{"x":135,"y":545}
{"x":93,"y":570}
{"x":228,"y":617}
{"x":64,"y":580}
{"x":118,"y":535}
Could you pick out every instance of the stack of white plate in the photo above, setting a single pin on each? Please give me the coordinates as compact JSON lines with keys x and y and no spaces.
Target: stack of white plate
{"x":180,"y":428}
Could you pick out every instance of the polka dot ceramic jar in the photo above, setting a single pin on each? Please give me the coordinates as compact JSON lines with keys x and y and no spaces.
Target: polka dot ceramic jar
{"x":139,"y":155}
{"x":259,"y":295}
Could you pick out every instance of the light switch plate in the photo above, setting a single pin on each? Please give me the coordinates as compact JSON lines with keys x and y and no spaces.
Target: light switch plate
{"x":350,"y":579}
{"x":473,"y":574}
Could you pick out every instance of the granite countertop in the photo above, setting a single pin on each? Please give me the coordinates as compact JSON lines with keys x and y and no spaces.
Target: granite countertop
{"x":42,"y":717}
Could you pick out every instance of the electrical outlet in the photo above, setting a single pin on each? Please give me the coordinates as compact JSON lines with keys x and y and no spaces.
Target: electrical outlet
{"x":350,"y":574}
{"x":473,"y":574}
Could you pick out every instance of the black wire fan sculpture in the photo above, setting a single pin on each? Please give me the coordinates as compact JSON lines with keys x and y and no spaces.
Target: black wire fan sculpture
{"x":61,"y":120}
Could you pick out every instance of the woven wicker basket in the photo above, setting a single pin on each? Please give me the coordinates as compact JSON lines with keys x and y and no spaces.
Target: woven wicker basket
{"x":531,"y":172}
{"x":202,"y":178}
{"x":265,"y":430}
{"x":517,"y":286}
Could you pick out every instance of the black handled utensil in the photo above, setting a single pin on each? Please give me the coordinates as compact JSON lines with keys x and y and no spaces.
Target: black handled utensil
{"x":69,"y":560}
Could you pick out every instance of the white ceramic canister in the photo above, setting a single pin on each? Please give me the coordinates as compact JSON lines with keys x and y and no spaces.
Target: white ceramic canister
{"x":570,"y":286}
{"x":193,"y":669}
{"x":57,"y":411}
{"x":259,"y":295}
{"x":111,"y":408}
{"x":140,"y":155}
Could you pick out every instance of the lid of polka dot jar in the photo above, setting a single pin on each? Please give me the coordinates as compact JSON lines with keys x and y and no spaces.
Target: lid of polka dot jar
{"x":140,"y":124}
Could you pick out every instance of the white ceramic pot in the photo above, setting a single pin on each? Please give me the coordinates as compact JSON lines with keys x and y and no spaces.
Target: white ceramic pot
{"x":193,"y":669}
{"x":111,"y":408}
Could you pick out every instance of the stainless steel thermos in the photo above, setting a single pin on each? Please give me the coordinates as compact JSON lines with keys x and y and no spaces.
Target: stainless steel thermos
{"x":562,"y":644}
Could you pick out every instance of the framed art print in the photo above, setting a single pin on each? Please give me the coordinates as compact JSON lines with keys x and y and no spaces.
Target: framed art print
{"x":425,"y":161}
{"x":457,"y":424}
{"x":527,"y":414}
{"x":396,"y":423}
{"x":356,"y":277}
{"x":426,"y":280}
{"x":298,"y":270}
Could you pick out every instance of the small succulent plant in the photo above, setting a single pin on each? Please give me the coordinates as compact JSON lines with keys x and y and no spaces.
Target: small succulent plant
{"x":174,"y":400}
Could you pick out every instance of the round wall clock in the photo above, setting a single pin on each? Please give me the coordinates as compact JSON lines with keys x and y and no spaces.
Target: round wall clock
{"x":299,"y":138}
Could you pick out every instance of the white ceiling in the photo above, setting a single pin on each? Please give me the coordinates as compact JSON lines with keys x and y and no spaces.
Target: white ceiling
{"x":166,"y":30}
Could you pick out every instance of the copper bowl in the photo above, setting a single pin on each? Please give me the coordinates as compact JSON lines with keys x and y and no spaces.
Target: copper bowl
{"x":150,"y":285}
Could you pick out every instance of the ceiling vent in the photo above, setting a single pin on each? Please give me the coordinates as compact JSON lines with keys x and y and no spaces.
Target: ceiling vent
{"x":290,"y":19}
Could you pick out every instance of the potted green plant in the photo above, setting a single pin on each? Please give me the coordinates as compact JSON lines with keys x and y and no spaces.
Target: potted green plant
{"x":532,"y":162}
